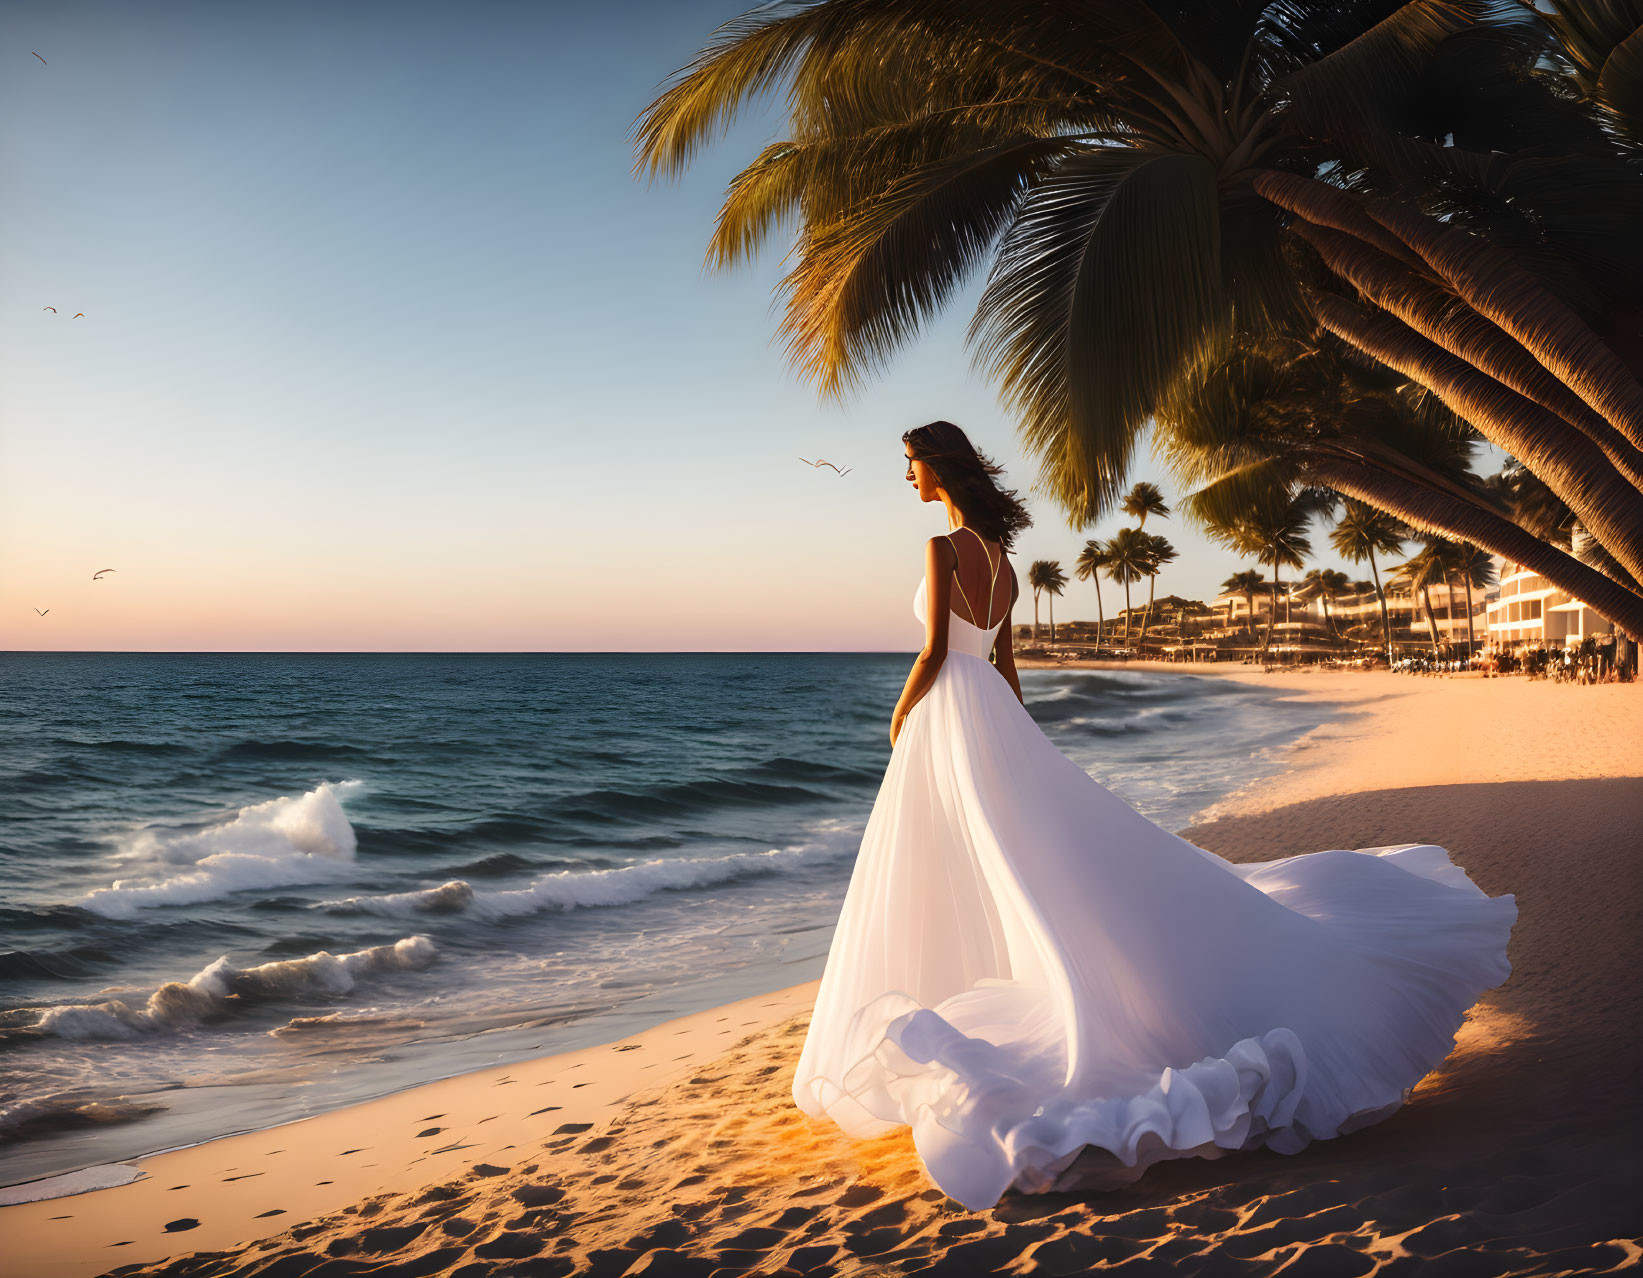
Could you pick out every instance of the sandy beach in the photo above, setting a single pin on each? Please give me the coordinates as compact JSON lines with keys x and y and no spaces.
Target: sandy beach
{"x":680,"y":1151}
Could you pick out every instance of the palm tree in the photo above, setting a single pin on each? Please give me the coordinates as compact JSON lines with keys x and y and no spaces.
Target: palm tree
{"x":1360,"y":531}
{"x":1142,"y":500}
{"x":1245,"y":583}
{"x":1132,"y":174}
{"x":1418,"y":572}
{"x":1269,"y":524}
{"x":1091,"y":560}
{"x":1475,"y":567}
{"x":1159,"y":553}
{"x":1129,"y":553}
{"x":1045,"y":575}
{"x":1326,"y":584}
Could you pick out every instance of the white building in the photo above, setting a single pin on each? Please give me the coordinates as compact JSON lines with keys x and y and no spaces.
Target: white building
{"x":1530,"y":610}
{"x":1405,"y":610}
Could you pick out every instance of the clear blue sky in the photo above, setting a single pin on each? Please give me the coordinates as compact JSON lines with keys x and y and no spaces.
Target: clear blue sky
{"x":385,"y":347}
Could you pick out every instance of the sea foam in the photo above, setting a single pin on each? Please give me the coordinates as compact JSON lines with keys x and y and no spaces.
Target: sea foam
{"x":280,"y":843}
{"x":220,"y":988}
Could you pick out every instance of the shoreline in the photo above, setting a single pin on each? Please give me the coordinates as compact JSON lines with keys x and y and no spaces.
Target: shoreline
{"x":1495,"y":782}
{"x":186,"y":1116}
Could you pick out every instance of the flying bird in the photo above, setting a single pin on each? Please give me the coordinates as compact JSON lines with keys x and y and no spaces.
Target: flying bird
{"x":42,"y":613}
{"x":819,"y":463}
{"x":77,"y":314}
{"x":43,"y":62}
{"x":98,"y":574}
{"x":52,"y":309}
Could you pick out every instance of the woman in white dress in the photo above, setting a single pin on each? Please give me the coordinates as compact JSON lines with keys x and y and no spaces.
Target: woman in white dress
{"x":1055,"y":993}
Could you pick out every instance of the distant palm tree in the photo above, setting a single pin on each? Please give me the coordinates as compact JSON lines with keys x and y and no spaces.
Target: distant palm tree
{"x":1269,"y":524}
{"x":1475,"y":566}
{"x":1159,"y":553}
{"x":1244,"y":583}
{"x":1091,"y":560}
{"x":1142,"y":500}
{"x":1129,"y":552}
{"x":1045,"y":575}
{"x":1358,"y":534}
{"x":1327,"y":584}
{"x":1418,"y":572}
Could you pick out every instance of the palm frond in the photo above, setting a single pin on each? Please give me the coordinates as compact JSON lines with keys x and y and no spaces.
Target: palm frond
{"x":866,"y":280}
{"x":1105,"y":285}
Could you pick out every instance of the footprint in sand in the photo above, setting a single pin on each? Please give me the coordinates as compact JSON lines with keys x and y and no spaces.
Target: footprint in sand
{"x":241,"y":1176}
{"x":182,"y":1225}
{"x":430,"y":1118}
{"x":571,"y":1127}
{"x":548,"y":1110}
{"x":264,"y":1215}
{"x":429,"y":1131}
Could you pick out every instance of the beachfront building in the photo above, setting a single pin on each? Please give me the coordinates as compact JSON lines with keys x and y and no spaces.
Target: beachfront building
{"x":1357,"y":615}
{"x":1531,"y":612}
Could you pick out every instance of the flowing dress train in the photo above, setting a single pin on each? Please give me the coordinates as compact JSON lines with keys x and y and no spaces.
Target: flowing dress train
{"x":1025,"y":969}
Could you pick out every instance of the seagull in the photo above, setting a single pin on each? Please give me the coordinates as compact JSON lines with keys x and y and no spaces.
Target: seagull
{"x":43,"y":62}
{"x":52,"y":309}
{"x":42,"y":613}
{"x":819,"y":463}
{"x":98,"y":574}
{"x":78,"y":314}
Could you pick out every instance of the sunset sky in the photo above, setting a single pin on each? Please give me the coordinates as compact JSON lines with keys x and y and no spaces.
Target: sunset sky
{"x":384,"y":347}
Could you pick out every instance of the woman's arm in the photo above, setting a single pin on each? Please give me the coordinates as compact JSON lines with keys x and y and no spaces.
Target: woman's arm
{"x":939,"y":560}
{"x":1004,"y":645}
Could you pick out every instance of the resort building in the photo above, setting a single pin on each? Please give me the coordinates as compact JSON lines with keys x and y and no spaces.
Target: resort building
{"x":1530,"y":611}
{"x":1358,"y":614}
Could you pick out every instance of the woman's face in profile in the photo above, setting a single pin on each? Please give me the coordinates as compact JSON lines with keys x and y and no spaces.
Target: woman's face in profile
{"x":922,"y":477}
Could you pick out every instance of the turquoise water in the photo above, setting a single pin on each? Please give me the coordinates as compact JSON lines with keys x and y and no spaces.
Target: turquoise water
{"x":235,"y":889}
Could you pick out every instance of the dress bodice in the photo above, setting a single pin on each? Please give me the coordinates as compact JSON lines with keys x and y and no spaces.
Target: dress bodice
{"x":962,"y":636}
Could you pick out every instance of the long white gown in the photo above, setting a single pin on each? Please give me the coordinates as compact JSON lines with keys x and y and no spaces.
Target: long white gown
{"x":1025,"y":966}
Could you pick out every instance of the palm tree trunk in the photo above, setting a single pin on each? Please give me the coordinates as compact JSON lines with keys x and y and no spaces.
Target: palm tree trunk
{"x":1052,"y":616}
{"x":1146,"y":617}
{"x":1100,"y":620}
{"x":1489,"y":281}
{"x":1471,"y":637}
{"x":1610,"y":509}
{"x":1386,"y":617}
{"x":1436,"y":510}
{"x":1432,"y":313}
{"x":1035,"y":617}
{"x":1431,"y":621}
{"x":1126,"y":614}
{"x":1271,"y":612}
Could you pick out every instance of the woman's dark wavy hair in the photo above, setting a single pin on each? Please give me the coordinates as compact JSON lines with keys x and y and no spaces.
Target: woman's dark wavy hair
{"x":967,"y":475}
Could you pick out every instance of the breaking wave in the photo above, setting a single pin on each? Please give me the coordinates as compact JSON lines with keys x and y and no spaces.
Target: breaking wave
{"x":280,"y":843}
{"x":222,"y":988}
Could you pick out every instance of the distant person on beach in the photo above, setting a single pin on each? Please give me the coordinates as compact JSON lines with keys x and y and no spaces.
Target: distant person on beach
{"x":1054,"y":992}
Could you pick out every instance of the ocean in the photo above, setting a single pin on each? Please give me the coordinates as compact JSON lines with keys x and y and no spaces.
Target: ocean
{"x":237,"y":889}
